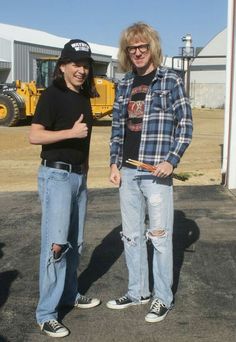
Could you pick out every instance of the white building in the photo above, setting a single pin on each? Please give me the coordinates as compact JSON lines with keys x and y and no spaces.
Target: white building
{"x":20,"y":48}
{"x":208,"y":73}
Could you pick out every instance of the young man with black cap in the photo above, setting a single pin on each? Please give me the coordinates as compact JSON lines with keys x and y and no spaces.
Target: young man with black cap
{"x":62,"y":124}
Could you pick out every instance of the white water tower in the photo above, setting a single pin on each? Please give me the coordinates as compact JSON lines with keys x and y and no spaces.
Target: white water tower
{"x":187,"y":50}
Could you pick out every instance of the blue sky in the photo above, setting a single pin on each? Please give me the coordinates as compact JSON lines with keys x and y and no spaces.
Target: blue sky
{"x":101,"y":21}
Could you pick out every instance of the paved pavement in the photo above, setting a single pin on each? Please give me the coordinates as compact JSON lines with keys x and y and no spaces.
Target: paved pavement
{"x":204,"y":259}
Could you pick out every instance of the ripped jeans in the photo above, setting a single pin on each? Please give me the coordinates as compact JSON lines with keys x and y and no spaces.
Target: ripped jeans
{"x":63,"y":198}
{"x":141,"y":192}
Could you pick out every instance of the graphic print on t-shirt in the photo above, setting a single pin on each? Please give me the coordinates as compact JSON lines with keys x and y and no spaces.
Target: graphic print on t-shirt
{"x":136,"y":108}
{"x":135,"y":113}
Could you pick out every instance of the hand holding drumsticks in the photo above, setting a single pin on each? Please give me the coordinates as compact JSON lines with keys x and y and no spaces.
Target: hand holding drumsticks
{"x":152,"y":168}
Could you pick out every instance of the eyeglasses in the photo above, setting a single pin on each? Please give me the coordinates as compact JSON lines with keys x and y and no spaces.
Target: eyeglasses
{"x":142,"y":48}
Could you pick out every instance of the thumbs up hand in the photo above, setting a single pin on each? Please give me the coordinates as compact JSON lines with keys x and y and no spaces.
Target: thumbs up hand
{"x":80,"y":129}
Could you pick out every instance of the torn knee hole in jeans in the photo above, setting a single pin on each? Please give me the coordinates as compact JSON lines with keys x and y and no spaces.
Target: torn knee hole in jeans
{"x":158,"y":239}
{"x":59,"y":250}
{"x":157,"y":233}
{"x":129,"y":240}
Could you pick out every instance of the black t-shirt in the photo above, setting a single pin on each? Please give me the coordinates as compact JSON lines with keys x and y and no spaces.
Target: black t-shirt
{"x":135,"y":113}
{"x":58,"y":109}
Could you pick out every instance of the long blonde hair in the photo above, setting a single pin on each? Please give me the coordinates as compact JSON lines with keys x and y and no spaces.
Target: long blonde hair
{"x":139,"y":31}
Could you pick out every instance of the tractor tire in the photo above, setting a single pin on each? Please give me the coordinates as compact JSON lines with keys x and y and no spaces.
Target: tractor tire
{"x":9,"y":111}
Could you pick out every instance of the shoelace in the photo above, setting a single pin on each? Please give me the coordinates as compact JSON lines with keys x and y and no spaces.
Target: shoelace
{"x":122,"y":299}
{"x":156,"y":306}
{"x":54,"y":324}
{"x":84,"y":299}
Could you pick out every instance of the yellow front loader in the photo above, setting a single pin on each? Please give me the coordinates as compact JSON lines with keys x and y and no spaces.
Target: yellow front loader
{"x":18,"y":100}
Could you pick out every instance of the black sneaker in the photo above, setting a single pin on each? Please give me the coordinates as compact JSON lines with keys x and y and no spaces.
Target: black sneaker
{"x":157,"y":312}
{"x":125,"y":302}
{"x":54,"y":329}
{"x":86,"y":303}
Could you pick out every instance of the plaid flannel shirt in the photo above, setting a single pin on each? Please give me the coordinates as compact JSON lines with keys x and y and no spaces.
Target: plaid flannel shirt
{"x":167,"y":121}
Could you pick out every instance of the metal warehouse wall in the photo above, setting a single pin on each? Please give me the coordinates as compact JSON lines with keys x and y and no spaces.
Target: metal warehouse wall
{"x":24,"y":59}
{"x":25,"y":56}
{"x":5,"y":60}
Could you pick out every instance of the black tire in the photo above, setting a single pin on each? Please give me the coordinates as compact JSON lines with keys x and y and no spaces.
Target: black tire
{"x":9,"y":111}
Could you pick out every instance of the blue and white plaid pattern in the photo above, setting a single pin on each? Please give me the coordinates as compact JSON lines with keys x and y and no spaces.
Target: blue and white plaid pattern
{"x":167,"y":120}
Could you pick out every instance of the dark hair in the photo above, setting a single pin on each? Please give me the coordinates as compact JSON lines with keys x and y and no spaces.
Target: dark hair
{"x":88,"y":89}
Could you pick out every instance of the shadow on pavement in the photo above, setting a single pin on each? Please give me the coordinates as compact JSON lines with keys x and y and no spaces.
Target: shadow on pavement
{"x":6,"y":278}
{"x":1,"y":246}
{"x":204,"y":281}
{"x":102,"y":258}
{"x":185,"y":233}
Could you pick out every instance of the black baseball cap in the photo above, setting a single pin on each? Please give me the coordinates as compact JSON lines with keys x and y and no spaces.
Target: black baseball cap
{"x":76,"y":50}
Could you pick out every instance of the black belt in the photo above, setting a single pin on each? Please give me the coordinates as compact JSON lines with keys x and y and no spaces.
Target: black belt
{"x":63,"y":166}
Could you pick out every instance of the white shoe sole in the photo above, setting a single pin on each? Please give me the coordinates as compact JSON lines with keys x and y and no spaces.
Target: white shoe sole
{"x":51,"y":334}
{"x":114,"y":306}
{"x":64,"y":334}
{"x":153,"y":319}
{"x":145,"y":301}
{"x":95,"y":302}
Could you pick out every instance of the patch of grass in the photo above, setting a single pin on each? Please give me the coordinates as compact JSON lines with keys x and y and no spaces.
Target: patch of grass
{"x":183,"y":176}
{"x":198,"y":174}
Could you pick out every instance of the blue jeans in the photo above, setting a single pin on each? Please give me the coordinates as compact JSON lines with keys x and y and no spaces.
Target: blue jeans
{"x":63,"y":198}
{"x":141,"y":191}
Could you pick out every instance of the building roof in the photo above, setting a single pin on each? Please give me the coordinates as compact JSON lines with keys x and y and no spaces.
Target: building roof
{"x":26,"y":35}
{"x":216,"y":46}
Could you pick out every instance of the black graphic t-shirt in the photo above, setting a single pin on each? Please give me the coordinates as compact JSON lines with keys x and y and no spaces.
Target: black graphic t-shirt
{"x":135,"y":113}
